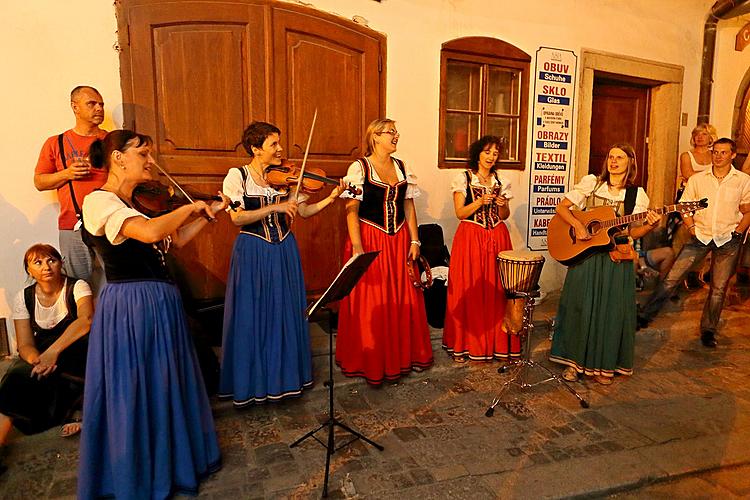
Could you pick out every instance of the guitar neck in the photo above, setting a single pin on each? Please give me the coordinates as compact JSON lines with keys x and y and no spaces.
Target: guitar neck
{"x":627,"y":219}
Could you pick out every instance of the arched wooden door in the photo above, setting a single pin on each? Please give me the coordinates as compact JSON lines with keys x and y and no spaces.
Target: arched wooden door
{"x":195,"y":73}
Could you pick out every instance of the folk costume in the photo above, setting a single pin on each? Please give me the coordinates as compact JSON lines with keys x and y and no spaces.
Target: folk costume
{"x":148,"y":431}
{"x":383,"y":332}
{"x":476,"y":298}
{"x":596,"y":319}
{"x":266,"y":348}
{"x":35,"y":404}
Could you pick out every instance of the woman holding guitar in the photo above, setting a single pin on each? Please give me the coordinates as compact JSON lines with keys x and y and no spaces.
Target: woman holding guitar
{"x":596,"y":320}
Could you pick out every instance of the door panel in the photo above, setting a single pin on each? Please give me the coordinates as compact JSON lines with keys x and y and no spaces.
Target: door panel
{"x":619,"y":113}
{"x":196,"y":73}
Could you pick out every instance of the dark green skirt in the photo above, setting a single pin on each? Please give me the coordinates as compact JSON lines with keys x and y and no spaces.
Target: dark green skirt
{"x":596,"y":319}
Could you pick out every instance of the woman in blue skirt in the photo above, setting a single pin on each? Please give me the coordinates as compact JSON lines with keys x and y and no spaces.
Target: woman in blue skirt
{"x":266,"y":348}
{"x":148,"y":432}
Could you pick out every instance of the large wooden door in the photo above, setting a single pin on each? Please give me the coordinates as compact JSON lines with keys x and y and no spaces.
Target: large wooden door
{"x":196,"y":73}
{"x":619,"y":113}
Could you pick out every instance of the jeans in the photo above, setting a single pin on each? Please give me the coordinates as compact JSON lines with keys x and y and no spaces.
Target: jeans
{"x":723,"y":264}
{"x":79,"y":261}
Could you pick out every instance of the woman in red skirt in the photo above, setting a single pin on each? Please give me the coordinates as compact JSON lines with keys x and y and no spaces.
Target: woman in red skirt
{"x":383,"y":331}
{"x":476,"y":299}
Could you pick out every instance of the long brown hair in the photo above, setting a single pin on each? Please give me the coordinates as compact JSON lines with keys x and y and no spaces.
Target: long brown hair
{"x":632,"y":164}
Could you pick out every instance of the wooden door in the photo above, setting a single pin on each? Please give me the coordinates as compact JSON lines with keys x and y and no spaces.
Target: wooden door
{"x":195,"y":73}
{"x":619,"y":113}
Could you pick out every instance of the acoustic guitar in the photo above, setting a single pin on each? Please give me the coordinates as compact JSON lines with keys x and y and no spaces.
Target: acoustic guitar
{"x":600,"y":223}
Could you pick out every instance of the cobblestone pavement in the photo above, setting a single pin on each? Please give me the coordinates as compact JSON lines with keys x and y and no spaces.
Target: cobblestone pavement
{"x":678,"y":427}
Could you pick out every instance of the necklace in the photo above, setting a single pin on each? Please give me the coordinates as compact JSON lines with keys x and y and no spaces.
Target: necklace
{"x":484,"y":179}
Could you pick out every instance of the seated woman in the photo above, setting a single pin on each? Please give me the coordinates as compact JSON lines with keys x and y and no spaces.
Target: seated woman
{"x":52,"y":319}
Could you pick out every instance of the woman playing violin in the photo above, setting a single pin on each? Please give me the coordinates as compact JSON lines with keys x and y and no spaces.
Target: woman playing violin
{"x":266,"y":348}
{"x":148,"y":430}
{"x":383,"y":331}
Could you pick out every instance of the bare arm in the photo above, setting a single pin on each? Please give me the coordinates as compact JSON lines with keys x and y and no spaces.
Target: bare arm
{"x":745,"y":221}
{"x":410,"y":212}
{"x":25,"y":338}
{"x":352,"y":226}
{"x":686,"y":167}
{"x":47,"y":361}
{"x":187,"y":232}
{"x":652,"y":220}
{"x":306,"y":210}
{"x":563,"y":210}
{"x":158,"y":228}
{"x":242,"y":217}
{"x":77,"y":170}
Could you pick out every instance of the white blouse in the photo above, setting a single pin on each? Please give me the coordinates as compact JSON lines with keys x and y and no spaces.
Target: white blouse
{"x":104,"y":213}
{"x":578,"y":194}
{"x":48,"y":317}
{"x":234,"y":190}
{"x":355,"y":175}
{"x":459,"y":183}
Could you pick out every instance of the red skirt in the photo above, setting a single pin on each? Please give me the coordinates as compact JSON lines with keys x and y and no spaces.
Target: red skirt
{"x":383,"y":329}
{"x":476,"y":299}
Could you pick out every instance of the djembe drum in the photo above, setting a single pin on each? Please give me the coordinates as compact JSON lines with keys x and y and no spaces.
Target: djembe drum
{"x":519,"y":275}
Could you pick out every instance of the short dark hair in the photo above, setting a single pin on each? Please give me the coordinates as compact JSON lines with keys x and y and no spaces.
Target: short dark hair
{"x":74,"y":93}
{"x":255,"y":135}
{"x":101,"y":150}
{"x":727,"y":140}
{"x":40,"y":250}
{"x":477,"y":147}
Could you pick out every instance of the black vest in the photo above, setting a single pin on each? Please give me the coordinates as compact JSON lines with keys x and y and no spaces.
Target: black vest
{"x":382,"y":205}
{"x":274,"y":227}
{"x":487,"y":216}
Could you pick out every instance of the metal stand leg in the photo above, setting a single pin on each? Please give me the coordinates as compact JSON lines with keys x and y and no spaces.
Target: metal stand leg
{"x":519,"y":369}
{"x":331,"y":423}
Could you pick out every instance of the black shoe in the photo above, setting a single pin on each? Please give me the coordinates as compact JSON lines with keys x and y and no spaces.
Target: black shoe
{"x":708,"y":339}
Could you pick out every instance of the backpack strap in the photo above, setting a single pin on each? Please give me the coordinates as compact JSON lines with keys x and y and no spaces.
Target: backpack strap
{"x":70,"y":183}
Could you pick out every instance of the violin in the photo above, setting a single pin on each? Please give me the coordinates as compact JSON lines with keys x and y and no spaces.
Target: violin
{"x":287,"y":174}
{"x":152,"y":198}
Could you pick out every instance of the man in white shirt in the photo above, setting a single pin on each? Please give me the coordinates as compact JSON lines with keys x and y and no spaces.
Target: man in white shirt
{"x":718,"y":230}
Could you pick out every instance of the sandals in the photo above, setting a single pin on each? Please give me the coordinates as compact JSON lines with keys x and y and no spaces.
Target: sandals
{"x":70,"y":429}
{"x":570,"y":374}
{"x":603,"y":380}
{"x":459,"y":359}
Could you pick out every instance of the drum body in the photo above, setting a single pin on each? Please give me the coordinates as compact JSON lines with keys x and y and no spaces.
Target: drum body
{"x":519,"y":273}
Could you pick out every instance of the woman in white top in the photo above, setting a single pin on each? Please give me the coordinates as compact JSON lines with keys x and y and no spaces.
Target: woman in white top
{"x":596,"y":319}
{"x":52,"y":319}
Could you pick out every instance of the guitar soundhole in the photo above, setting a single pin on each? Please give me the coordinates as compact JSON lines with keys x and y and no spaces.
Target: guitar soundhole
{"x":594,"y":227}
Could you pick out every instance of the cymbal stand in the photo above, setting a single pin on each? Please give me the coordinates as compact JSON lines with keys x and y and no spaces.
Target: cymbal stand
{"x":519,"y":368}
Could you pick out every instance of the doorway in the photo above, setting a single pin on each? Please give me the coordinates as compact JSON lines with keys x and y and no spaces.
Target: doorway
{"x":619,"y":113}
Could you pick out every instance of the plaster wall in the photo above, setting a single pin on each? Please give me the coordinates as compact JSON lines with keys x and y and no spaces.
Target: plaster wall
{"x":48,"y":47}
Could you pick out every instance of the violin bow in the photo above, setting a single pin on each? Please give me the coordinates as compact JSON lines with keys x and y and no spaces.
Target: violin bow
{"x":171,"y":179}
{"x":304,"y":160}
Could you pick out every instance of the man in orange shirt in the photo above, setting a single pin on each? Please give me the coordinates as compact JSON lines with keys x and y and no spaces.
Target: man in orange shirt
{"x":63,"y":165}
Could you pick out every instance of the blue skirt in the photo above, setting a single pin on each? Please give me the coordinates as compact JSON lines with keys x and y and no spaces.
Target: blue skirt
{"x":148,"y":431}
{"x":266,"y":347}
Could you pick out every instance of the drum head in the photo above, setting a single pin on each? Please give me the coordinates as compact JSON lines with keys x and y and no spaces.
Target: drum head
{"x":520,"y":256}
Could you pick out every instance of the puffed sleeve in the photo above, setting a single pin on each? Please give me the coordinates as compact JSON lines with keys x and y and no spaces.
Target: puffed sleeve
{"x":19,"y":307}
{"x":458,"y":185}
{"x":81,"y":289}
{"x":412,"y":189}
{"x":641,"y":201}
{"x":104,"y":214}
{"x":505,"y":191}
{"x":356,"y":177}
{"x":232,"y":186}
{"x":578,"y":194}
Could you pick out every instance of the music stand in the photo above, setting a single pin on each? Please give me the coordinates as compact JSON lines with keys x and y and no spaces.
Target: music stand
{"x":341,"y":286}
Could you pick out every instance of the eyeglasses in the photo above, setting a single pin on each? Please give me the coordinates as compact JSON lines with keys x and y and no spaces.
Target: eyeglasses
{"x":389,"y":132}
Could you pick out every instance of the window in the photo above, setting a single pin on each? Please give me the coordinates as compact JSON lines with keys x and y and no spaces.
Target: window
{"x":483,"y":91}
